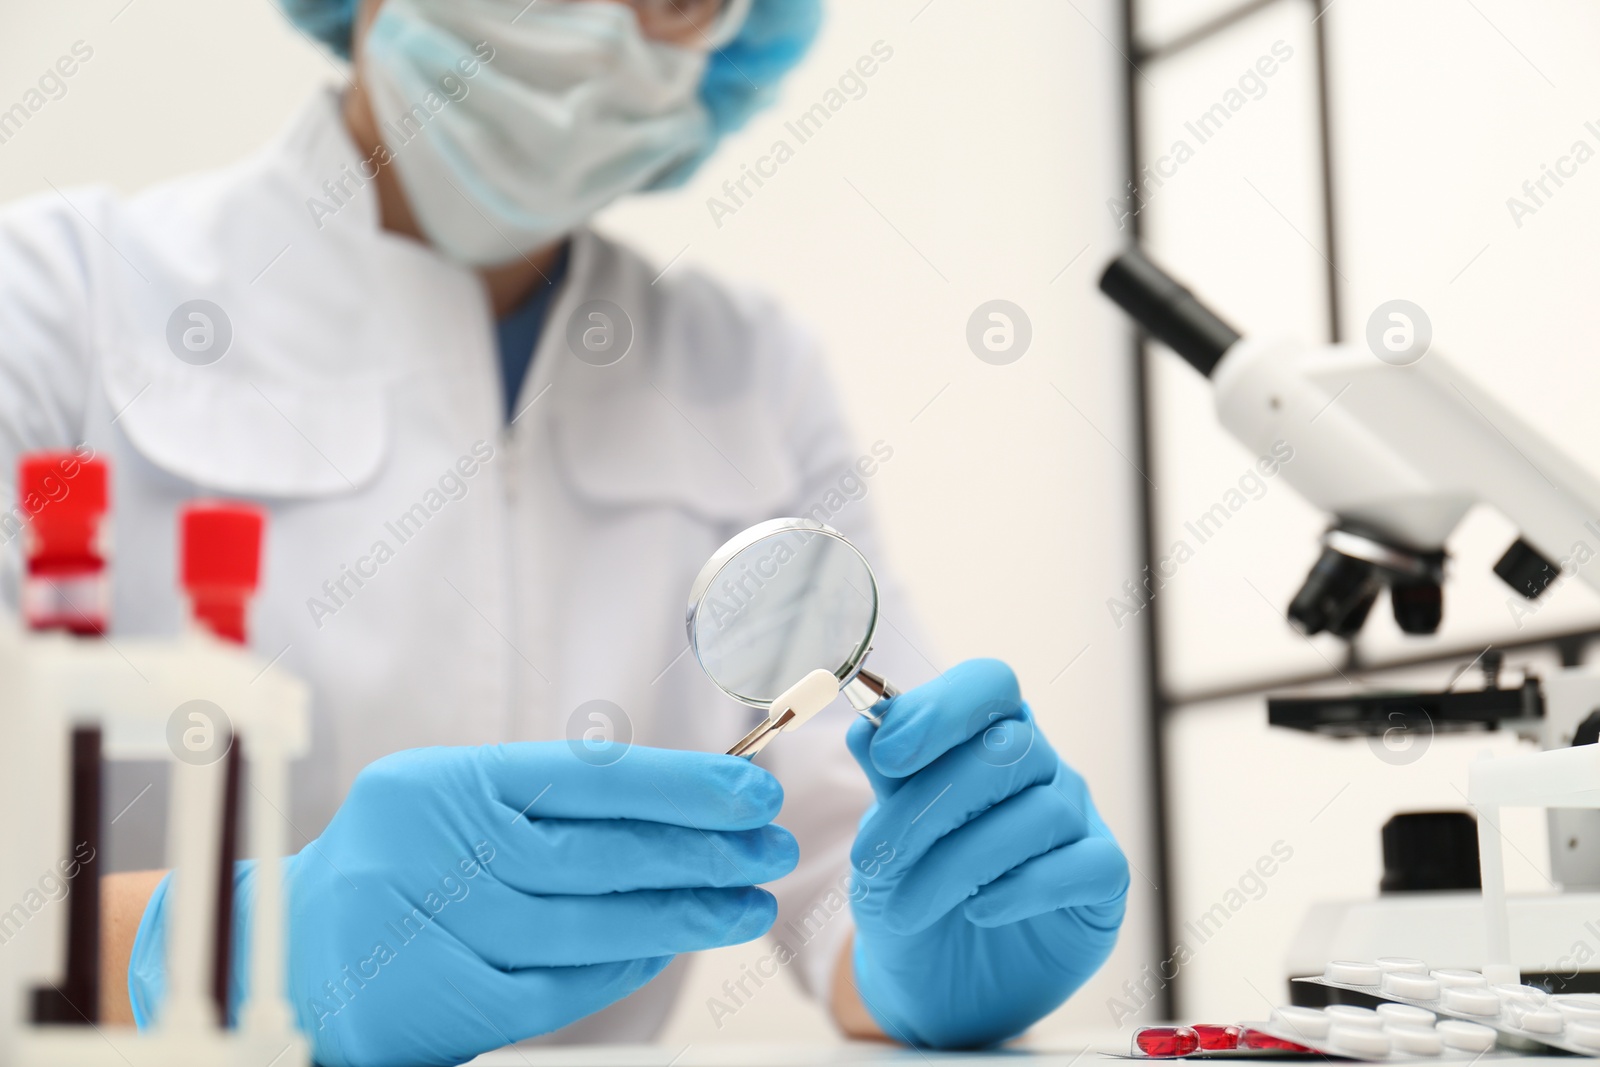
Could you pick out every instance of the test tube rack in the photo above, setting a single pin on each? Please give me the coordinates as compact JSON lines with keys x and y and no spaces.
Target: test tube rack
{"x":55,"y":686}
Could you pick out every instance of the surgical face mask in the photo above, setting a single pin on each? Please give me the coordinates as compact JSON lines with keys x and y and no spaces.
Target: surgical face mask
{"x":568,"y":107}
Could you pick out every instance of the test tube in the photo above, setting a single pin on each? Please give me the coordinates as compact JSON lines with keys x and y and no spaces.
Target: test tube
{"x":221,"y":566}
{"x":64,"y":589}
{"x":65,"y":497}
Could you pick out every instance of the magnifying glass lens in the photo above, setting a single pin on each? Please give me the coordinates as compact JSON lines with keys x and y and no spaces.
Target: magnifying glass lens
{"x":780,"y":607}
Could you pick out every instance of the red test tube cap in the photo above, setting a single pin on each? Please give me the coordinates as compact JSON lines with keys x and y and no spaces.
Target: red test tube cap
{"x":221,"y":564}
{"x":65,"y":499}
{"x":61,"y":486}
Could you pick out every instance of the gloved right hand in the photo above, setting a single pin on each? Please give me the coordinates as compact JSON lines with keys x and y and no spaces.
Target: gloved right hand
{"x":466,"y":898}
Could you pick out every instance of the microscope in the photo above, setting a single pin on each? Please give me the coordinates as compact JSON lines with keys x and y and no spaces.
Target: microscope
{"x":1397,"y":452}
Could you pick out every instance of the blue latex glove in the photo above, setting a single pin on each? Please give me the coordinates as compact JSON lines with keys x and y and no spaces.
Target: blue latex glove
{"x":987,"y":889}
{"x":465,"y":898}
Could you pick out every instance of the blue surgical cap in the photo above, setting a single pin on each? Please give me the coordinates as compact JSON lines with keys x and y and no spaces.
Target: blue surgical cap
{"x":743,"y":76}
{"x":741,"y":79}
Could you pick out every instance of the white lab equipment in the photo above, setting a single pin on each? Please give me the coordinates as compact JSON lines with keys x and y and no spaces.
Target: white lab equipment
{"x":1454,"y":928}
{"x":782,"y":618}
{"x":1397,"y":451}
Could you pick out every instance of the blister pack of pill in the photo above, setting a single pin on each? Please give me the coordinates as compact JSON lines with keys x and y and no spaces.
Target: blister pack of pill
{"x":1182,"y":1042}
{"x":1569,"y":1022}
{"x":1390,"y":1032}
{"x":1394,"y":1033}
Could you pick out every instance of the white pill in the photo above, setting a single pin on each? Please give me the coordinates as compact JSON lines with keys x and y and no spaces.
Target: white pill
{"x":1360,"y":1040}
{"x":1470,"y":1001}
{"x":1535,"y":1020}
{"x":1584,"y":1006}
{"x":1347,"y":972}
{"x":1584,"y":1033}
{"x":1350,"y":1015}
{"x":1307,"y":1022}
{"x":1522,"y":994}
{"x":1591,"y":1000}
{"x":1405,"y":1015}
{"x":1411,"y":986}
{"x":1402,"y":964}
{"x":1471,"y":1037}
{"x":1415,"y":1040}
{"x":1459,"y":978}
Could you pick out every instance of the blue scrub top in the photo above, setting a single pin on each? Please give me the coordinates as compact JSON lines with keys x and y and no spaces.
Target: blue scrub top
{"x":518,"y":335}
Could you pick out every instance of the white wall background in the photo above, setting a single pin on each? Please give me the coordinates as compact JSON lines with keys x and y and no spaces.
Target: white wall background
{"x":975,"y":168}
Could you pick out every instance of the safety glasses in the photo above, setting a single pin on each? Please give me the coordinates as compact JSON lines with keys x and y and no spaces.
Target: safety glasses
{"x":698,"y":24}
{"x":692,"y":23}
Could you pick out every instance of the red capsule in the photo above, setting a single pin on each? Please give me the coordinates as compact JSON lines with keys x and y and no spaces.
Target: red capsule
{"x":1165,"y":1041}
{"x":1215,"y":1037}
{"x":1258,"y":1040}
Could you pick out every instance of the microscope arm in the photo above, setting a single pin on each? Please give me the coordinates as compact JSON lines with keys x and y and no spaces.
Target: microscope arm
{"x":1404,"y":452}
{"x":1397,"y":454}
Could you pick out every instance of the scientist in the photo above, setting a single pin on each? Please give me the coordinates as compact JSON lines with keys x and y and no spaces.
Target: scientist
{"x":496,"y":447}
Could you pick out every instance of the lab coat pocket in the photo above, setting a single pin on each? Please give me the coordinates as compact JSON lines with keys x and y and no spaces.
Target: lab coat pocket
{"x":641,"y":447}
{"x":245,"y":424}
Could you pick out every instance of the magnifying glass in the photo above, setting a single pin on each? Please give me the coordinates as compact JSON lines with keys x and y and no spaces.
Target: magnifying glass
{"x":781,"y":618}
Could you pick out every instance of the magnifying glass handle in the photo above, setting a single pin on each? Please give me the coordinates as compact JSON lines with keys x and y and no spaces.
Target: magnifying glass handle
{"x":866,"y":691}
{"x":759,"y":738}
{"x":796,"y":707}
{"x":802,"y":701}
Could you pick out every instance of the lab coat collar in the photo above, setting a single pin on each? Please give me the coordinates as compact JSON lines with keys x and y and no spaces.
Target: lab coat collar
{"x":316,"y":153}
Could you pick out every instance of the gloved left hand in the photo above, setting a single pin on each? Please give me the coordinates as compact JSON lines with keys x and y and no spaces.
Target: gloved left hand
{"x":987,"y":889}
{"x":467,"y":898}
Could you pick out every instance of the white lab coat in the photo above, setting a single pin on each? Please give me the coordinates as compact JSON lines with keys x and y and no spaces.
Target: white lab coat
{"x":362,"y":374}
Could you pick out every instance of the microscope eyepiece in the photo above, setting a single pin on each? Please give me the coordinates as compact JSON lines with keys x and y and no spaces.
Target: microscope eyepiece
{"x":1167,"y":311}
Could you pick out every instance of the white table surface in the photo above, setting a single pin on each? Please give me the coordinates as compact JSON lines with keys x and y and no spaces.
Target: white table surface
{"x":1097,"y":1048}
{"x":856,"y":1054}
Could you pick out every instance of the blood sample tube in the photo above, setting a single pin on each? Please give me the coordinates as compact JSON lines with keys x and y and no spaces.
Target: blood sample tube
{"x":221,"y":565}
{"x":65,"y":499}
{"x":221,"y":568}
{"x":75,"y":1001}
